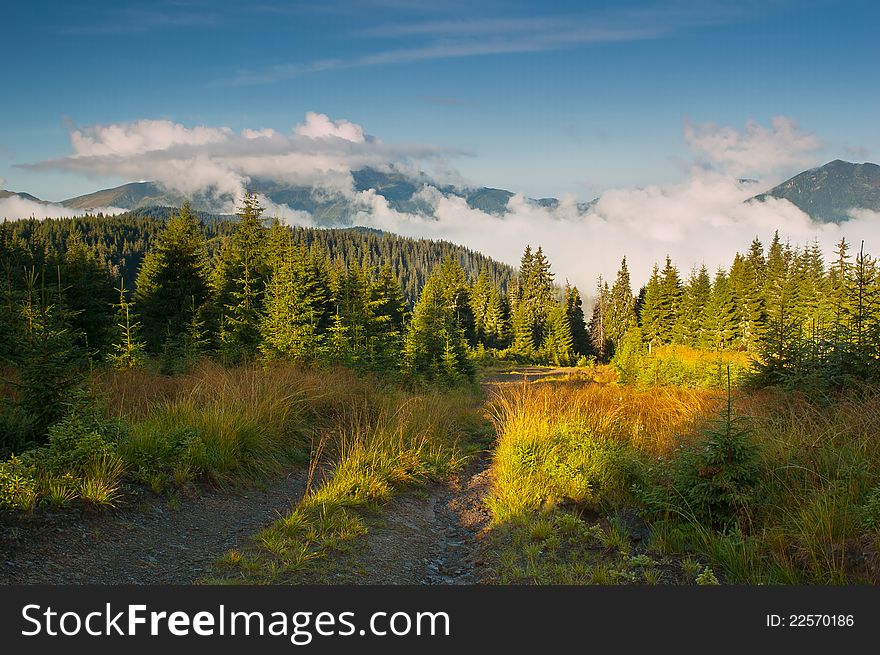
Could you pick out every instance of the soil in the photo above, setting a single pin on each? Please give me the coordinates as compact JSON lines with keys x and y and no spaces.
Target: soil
{"x":427,"y":536}
{"x":149,"y":540}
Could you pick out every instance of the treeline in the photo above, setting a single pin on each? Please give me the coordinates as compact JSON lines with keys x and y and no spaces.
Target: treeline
{"x":805,"y":322}
{"x":243,"y":291}
{"x":121,"y":242}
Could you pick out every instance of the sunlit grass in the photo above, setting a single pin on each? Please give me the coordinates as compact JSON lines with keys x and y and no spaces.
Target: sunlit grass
{"x":377,"y":448}
{"x":566,"y":446}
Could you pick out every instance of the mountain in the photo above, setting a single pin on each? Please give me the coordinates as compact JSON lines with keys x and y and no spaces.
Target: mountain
{"x":400,"y":190}
{"x":134,"y":195}
{"x":828,"y":192}
{"x":24,"y":196}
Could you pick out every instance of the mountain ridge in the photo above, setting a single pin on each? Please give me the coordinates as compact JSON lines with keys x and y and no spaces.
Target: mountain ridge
{"x":829,"y":192}
{"x":826,"y":193}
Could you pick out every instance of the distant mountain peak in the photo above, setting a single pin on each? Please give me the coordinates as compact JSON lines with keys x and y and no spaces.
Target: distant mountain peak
{"x":829,"y":192}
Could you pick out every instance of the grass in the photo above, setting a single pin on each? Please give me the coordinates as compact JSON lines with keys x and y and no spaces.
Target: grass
{"x":215,"y":425}
{"x":683,"y":366}
{"x":575,"y":443}
{"x":397,"y":440}
{"x":571,"y":451}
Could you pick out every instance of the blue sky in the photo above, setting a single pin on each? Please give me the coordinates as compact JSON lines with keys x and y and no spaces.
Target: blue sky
{"x":543,"y":98}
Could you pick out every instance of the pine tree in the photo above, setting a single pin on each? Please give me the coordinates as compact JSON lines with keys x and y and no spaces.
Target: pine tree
{"x":599,"y":342}
{"x":536,"y":297}
{"x":748,"y":281}
{"x":720,"y":318}
{"x":128,"y":350}
{"x":387,"y":310}
{"x":238,"y":283}
{"x":297,"y":305}
{"x":172,"y":281}
{"x":669,"y":301}
{"x":692,"y":317}
{"x":781,"y":347}
{"x":434,"y":338}
{"x":49,"y":363}
{"x":557,"y":347}
{"x":862,"y":314}
{"x":480,"y":297}
{"x":574,"y":314}
{"x":652,"y":314}
{"x":88,"y":297}
{"x":496,"y":325}
{"x":353,"y":310}
{"x":621,"y":306}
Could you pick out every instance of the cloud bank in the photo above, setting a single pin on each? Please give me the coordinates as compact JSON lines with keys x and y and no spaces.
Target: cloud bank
{"x":702,"y":219}
{"x":15,"y":207}
{"x":219,"y":163}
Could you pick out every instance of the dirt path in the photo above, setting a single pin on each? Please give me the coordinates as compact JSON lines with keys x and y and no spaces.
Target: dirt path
{"x":425,"y":536}
{"x":144,"y":542}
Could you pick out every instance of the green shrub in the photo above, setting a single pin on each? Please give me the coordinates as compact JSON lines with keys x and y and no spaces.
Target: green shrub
{"x":712,"y":481}
{"x":18,"y":487}
{"x":82,"y":437}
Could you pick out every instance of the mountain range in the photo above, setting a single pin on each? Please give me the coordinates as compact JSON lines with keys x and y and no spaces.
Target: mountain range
{"x":826,"y":193}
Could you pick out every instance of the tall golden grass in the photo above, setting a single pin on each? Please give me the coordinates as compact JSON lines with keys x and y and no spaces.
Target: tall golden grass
{"x":813,"y":517}
{"x":562,"y":441}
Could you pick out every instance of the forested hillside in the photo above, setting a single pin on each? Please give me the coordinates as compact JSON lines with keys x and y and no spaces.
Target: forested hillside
{"x":120,"y":243}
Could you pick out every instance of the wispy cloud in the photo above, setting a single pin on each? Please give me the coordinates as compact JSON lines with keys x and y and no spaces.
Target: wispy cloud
{"x":139,"y":19}
{"x":483,"y":36}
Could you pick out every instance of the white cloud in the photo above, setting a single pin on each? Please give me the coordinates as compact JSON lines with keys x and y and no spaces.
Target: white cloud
{"x":318,"y":126}
{"x":703,"y":219}
{"x":756,"y":150}
{"x":15,"y":207}
{"x":125,"y":139}
{"x":220,"y":163}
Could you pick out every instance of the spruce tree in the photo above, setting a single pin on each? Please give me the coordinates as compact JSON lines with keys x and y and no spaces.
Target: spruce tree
{"x":669,"y":301}
{"x":128,"y":350}
{"x":88,"y":296}
{"x":496,"y":325}
{"x":652,"y":313}
{"x":435,"y":347}
{"x":238,"y":283}
{"x":574,"y":314}
{"x":172,"y":281}
{"x":720,"y":318}
{"x":692,"y":317}
{"x":536,"y":297}
{"x":621,"y":306}
{"x":600,"y":344}
{"x":557,"y":347}
{"x":387,"y":309}
{"x":49,"y":361}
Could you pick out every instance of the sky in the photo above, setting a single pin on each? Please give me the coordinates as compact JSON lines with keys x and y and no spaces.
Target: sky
{"x":656,"y":107}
